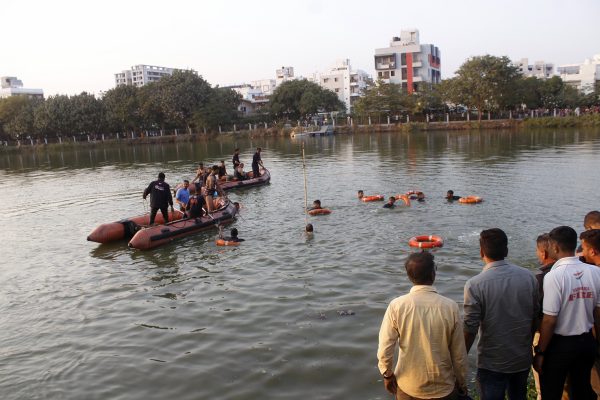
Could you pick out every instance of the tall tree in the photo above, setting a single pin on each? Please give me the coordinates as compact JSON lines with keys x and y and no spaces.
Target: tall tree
{"x":484,"y":82}
{"x":299,"y":98}
{"x":220,"y":109}
{"x":122,"y":105}
{"x":17,"y":115}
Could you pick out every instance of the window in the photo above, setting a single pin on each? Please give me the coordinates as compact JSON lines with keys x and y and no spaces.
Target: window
{"x":337,"y":90}
{"x":403,"y":59}
{"x":335,"y":79}
{"x":325,"y":80}
{"x":393,"y":73}
{"x":380,"y":74}
{"x":404,"y":74}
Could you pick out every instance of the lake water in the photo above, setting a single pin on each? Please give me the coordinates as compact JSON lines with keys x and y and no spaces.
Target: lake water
{"x":262,"y":321}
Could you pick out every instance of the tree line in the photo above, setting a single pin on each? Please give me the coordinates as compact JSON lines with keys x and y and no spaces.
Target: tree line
{"x":482,"y":84}
{"x":185,"y":100}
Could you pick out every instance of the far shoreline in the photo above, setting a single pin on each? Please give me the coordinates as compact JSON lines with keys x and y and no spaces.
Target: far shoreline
{"x":584,"y":121}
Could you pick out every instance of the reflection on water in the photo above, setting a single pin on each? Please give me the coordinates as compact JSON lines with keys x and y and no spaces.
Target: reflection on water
{"x":285,"y":316}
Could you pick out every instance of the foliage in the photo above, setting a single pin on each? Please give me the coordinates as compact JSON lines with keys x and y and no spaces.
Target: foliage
{"x":301,"y":98}
{"x":220,"y":108}
{"x":484,"y":83}
{"x":122,"y":105}
{"x":17,"y":116}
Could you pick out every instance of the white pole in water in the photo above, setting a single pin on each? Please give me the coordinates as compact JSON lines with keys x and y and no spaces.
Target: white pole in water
{"x":305,"y":188}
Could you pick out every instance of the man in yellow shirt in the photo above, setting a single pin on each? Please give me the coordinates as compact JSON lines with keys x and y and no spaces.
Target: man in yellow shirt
{"x":432,"y":358}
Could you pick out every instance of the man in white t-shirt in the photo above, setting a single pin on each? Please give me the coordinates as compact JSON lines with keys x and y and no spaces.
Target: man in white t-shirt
{"x":571,"y":307}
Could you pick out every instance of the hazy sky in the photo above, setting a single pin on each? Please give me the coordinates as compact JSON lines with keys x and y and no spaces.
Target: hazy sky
{"x":65,"y":46}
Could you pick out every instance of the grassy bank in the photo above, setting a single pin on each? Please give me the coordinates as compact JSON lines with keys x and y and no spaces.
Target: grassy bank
{"x":588,"y":120}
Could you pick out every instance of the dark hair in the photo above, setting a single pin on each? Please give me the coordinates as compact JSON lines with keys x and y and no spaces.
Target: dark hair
{"x":234,"y":232}
{"x":223,"y":161}
{"x":592,"y":219}
{"x":236,"y":150}
{"x":361,"y":191}
{"x":317,"y":202}
{"x":215,"y":167}
{"x":161,"y":176}
{"x":201,"y":164}
{"x":258,"y":149}
{"x":564,"y":237}
{"x":592,"y":238}
{"x":494,"y":243}
{"x":543,"y":241}
{"x":309,"y":227}
{"x":450,"y":192}
{"x":392,"y":198}
{"x":420,"y":267}
{"x":186,"y":181}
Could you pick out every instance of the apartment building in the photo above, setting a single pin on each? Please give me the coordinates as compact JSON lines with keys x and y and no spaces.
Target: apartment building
{"x":347,"y":83}
{"x":582,"y":76}
{"x":408,"y":63}
{"x":11,"y":86}
{"x":140,"y":75}
{"x":540,"y":69}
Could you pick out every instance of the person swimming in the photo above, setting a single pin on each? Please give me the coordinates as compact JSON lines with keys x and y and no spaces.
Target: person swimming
{"x":391,"y":203}
{"x":361,"y":194}
{"x":450,"y":196}
{"x":316,"y":205}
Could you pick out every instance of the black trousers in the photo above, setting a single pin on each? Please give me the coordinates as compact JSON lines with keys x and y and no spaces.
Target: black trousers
{"x":255,"y":171}
{"x":164,"y":211}
{"x":571,"y":356}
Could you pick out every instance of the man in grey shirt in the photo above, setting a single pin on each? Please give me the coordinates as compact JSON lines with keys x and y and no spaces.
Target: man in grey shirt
{"x":502,"y":304}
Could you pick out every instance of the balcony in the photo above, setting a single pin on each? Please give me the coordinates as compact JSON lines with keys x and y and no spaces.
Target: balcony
{"x":389,"y":65}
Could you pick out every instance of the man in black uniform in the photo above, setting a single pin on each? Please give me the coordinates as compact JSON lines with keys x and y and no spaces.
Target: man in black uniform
{"x":256,"y":163}
{"x":160,"y":198}
{"x":236,"y":158}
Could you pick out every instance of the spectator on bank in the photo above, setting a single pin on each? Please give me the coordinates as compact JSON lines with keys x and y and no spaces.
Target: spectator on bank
{"x":571,"y":301}
{"x":592,"y":220}
{"x":428,"y":331}
{"x":590,"y":244}
{"x":501,"y":303}
{"x":546,"y":262}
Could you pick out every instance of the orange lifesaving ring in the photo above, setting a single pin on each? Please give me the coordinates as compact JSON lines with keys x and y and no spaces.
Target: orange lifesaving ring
{"x":470,"y":200}
{"x":413,"y":194}
{"x":426,"y":242}
{"x":404,"y":198}
{"x":377,"y":197}
{"x":222,"y":242}
{"x":319,"y":211}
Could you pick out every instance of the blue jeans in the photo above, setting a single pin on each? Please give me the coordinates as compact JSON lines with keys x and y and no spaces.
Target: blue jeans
{"x":493,"y":385}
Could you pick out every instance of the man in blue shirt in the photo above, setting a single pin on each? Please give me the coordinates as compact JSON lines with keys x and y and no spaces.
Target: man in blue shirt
{"x":182,"y":197}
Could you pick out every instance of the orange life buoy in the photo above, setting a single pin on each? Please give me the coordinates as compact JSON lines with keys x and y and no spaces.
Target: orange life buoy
{"x":404,"y":198}
{"x":470,"y":200}
{"x":426,"y":242}
{"x":222,"y":242}
{"x":319,"y":211}
{"x":377,"y":197}
{"x":414,"y":194}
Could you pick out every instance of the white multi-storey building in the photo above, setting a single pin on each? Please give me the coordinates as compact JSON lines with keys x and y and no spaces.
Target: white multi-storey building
{"x":284,"y":74}
{"x":140,"y":75}
{"x":11,"y":86}
{"x":348,"y":84}
{"x":540,"y":69}
{"x":582,"y":76}
{"x":407,"y":62}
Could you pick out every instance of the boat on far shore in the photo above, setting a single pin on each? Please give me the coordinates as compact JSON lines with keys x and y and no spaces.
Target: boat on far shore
{"x":325,"y":130}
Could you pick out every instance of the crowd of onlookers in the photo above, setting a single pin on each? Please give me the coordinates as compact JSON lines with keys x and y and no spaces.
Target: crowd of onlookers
{"x":549,"y":321}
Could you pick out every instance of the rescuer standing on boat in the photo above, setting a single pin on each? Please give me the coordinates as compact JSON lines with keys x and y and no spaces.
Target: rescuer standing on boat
{"x":160,"y":198}
{"x":256,"y":163}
